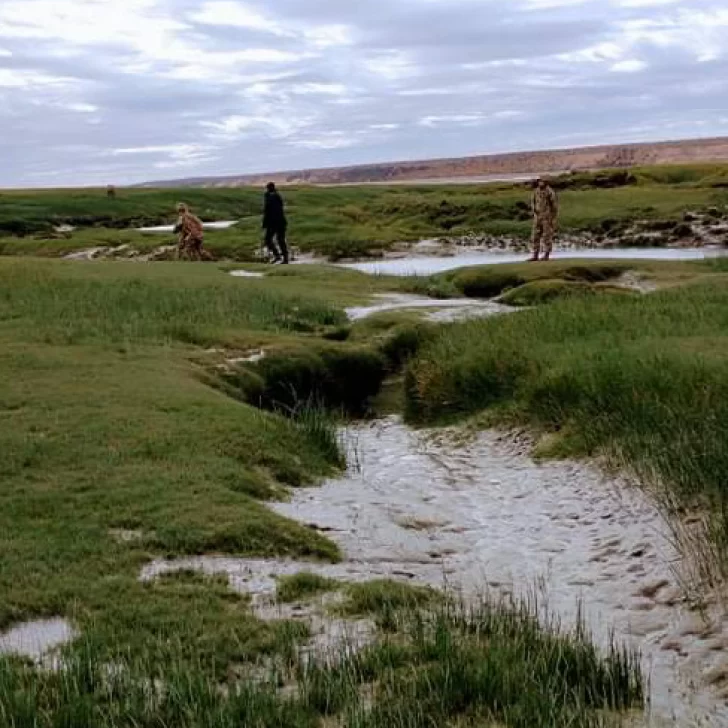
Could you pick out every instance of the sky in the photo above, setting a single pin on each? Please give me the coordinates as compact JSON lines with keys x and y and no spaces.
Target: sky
{"x":125,"y":91}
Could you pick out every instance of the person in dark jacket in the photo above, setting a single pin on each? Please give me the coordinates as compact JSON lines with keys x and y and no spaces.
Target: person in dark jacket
{"x":275,"y":224}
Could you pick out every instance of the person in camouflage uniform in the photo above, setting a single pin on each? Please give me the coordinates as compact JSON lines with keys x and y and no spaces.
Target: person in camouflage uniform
{"x":191,"y":234}
{"x":545,"y":205}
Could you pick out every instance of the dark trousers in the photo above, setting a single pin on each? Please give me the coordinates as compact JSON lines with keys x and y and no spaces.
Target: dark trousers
{"x":280,"y":250}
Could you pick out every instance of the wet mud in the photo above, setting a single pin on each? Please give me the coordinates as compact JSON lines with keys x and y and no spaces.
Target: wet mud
{"x":484,"y":517}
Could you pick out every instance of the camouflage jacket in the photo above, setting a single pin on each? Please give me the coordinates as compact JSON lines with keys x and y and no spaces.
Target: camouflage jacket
{"x":545,"y":204}
{"x":189,"y":227}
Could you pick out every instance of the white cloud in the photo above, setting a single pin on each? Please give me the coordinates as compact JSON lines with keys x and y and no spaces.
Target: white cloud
{"x":446,"y":119}
{"x":327,"y":140}
{"x":236,"y":15}
{"x":633,"y":65}
{"x":320,"y":89}
{"x":82,"y":108}
{"x":14,"y":78}
{"x":217,"y":86}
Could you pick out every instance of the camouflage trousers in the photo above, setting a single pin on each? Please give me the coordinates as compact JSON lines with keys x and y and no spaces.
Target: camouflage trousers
{"x":190,"y":248}
{"x":542,"y":240}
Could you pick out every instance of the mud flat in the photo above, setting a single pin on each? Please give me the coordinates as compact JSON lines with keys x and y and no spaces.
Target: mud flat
{"x":485,"y":516}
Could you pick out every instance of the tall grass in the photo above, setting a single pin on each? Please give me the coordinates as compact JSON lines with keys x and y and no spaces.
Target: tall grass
{"x":644,"y":380}
{"x":487,"y":662}
{"x":64,"y":304}
{"x":321,"y":429}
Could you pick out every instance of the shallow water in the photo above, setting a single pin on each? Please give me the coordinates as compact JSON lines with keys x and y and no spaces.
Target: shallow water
{"x":246,"y":274}
{"x":438,"y":310}
{"x":485,"y":515}
{"x":220,"y":225}
{"x":428,"y":265}
{"x":36,"y":639}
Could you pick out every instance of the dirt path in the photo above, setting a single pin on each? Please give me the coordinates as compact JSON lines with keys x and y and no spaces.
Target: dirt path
{"x":485,"y":515}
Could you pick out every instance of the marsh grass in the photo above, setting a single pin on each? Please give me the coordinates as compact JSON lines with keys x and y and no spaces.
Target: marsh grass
{"x":442,"y":663}
{"x":641,"y":379}
{"x":303,"y":586}
{"x":345,"y":222}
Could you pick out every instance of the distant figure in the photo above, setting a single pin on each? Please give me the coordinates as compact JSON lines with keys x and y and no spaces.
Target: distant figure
{"x":275,"y":224}
{"x":111,"y":192}
{"x":545,"y":207}
{"x":191,"y":234}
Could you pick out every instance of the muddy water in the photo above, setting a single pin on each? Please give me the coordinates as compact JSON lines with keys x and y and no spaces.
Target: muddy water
{"x":484,"y":515}
{"x":429,"y":265}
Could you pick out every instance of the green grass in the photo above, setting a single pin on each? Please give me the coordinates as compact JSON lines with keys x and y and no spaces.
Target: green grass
{"x":490,"y":664}
{"x":490,"y":281}
{"x":302,"y":586}
{"x":540,"y":292}
{"x":642,"y":379}
{"x":107,"y":422}
{"x":382,"y":597}
{"x":340,"y":222}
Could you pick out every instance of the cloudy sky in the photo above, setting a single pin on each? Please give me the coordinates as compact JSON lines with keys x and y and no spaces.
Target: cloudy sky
{"x":119,"y":91}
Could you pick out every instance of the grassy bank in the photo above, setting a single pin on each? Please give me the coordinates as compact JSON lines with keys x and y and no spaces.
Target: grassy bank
{"x":641,"y":379}
{"x":357,"y":221}
{"x":109,"y":428}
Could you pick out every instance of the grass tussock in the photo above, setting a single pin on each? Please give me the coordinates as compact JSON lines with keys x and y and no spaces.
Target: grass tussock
{"x":546,"y":291}
{"x":491,"y":281}
{"x":302,"y":586}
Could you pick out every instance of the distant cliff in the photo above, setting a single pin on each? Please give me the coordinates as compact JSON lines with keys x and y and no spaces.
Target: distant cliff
{"x":495,"y":165}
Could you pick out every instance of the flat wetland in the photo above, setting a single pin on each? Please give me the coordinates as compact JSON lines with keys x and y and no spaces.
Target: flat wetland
{"x":484,"y":496}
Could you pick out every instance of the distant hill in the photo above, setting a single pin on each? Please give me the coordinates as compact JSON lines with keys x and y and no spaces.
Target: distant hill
{"x":482,"y":168}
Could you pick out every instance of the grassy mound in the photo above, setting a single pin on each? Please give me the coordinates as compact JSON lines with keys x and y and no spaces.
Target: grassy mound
{"x":490,"y":281}
{"x":548,"y":290}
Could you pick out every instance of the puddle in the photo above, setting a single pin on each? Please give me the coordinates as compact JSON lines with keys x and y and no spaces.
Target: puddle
{"x":251,"y":358}
{"x":429,"y":264}
{"x":125,"y":535}
{"x":439,"y":310}
{"x":36,"y":639}
{"x":246,"y":274}
{"x":486,"y":516}
{"x":87,"y":254}
{"x":221,"y":225}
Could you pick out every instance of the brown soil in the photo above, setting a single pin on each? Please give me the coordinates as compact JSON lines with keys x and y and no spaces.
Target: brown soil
{"x":481,"y":168}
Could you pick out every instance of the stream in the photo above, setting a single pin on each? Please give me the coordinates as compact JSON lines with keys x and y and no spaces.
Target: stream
{"x":485,"y":516}
{"x":424,"y":265}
